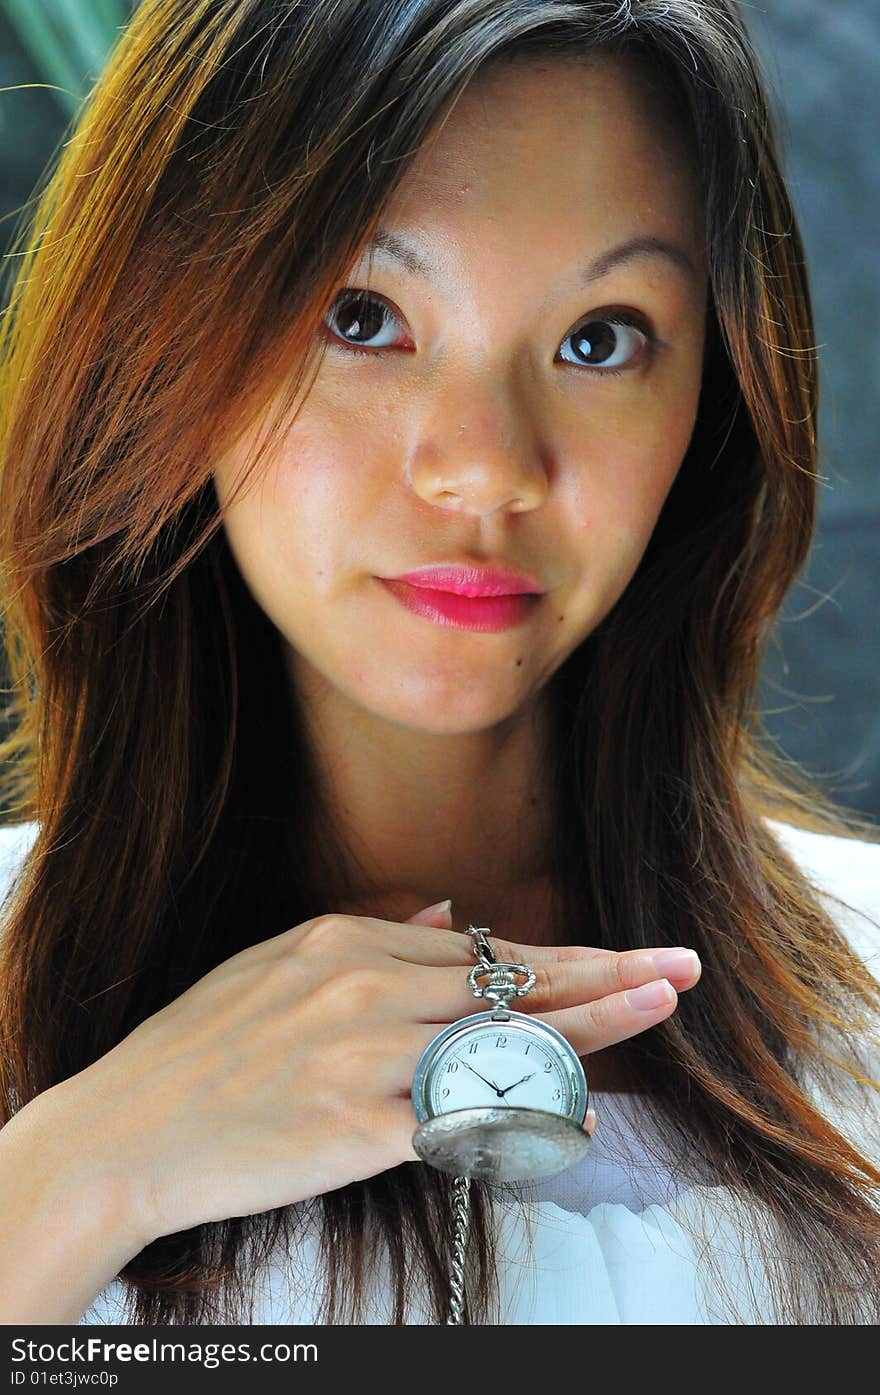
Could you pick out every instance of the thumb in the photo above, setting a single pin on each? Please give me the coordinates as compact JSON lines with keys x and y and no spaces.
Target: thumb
{"x":439,"y":914}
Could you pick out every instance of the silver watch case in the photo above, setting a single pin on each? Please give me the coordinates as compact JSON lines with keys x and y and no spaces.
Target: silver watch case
{"x":510,"y":1144}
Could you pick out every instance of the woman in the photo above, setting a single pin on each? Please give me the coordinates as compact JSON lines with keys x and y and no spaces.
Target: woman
{"x":321,"y":296}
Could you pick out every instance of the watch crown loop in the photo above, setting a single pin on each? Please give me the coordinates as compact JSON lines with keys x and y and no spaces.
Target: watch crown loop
{"x":501,"y":983}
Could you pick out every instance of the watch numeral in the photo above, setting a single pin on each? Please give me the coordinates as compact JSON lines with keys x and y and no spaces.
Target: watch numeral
{"x":501,"y":1041}
{"x":472,"y":1048}
{"x":452,"y":1067}
{"x":445,"y":1091}
{"x":557,"y":1094}
{"x":548,"y":1065}
{"x":528,"y":1049}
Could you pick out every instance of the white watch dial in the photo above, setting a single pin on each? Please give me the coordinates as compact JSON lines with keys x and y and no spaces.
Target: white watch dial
{"x":498,"y":1064}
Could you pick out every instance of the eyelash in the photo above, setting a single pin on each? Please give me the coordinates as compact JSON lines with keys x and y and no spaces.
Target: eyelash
{"x":613,"y":317}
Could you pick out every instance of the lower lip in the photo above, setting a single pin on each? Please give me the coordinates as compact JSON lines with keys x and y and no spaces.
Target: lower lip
{"x":487,"y":613}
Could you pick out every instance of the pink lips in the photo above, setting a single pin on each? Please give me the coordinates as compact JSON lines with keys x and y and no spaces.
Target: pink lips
{"x":469,"y":598}
{"x":472,"y":581}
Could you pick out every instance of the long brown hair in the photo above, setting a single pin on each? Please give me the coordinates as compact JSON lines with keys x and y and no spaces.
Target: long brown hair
{"x":170,"y":281}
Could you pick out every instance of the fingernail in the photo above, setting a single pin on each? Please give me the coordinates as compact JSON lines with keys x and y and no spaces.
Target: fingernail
{"x":439,"y":908}
{"x":650,"y":995}
{"x":678,"y":963}
{"x":590,"y":1120}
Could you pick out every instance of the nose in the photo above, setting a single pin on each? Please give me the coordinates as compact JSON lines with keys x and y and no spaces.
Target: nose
{"x":478,"y":454}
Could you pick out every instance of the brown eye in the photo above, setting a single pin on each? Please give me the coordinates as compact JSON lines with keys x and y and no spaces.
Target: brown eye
{"x":608,"y":343}
{"x":358,"y":316}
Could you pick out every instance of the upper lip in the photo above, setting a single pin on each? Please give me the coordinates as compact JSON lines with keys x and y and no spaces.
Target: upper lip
{"x":469,"y":579}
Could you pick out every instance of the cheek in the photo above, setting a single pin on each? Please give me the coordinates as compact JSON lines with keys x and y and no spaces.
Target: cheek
{"x":619,"y":494}
{"x":296,"y":530}
{"x":617,"y":488}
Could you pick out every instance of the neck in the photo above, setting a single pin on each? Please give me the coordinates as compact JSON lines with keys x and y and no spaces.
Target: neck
{"x":409,"y":817}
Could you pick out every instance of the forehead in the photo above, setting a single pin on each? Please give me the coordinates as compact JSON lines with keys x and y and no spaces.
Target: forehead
{"x":593,"y":141}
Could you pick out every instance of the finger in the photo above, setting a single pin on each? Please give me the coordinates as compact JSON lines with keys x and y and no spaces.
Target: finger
{"x":439,"y":915}
{"x":403,"y":1120}
{"x":443,"y":994}
{"x":428,"y":944}
{"x":575,"y":981}
{"x":389,"y":1059}
{"x":614,"y":1018}
{"x":457,"y":948}
{"x":393,"y":1121}
{"x":425,"y":944}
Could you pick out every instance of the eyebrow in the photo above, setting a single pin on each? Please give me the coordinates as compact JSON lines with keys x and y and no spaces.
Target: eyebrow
{"x":646,"y":245}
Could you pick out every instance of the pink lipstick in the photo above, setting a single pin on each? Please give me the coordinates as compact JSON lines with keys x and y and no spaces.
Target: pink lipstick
{"x":467,"y":597}
{"x":469,"y":580}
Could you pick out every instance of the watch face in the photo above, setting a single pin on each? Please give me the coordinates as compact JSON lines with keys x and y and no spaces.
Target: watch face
{"x":478,"y":1063}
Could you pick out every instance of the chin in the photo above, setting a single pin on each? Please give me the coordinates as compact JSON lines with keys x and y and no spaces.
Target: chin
{"x":452,"y":715}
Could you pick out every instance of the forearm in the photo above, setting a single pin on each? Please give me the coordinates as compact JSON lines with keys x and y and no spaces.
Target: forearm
{"x":65,"y":1229}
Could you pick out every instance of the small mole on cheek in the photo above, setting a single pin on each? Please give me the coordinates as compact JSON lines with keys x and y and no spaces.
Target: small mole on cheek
{"x":562,"y":617}
{"x":518,"y":662}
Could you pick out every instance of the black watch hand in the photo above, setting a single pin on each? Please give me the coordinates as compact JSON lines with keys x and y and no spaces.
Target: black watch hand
{"x":521,"y":1080}
{"x":490,"y":1083}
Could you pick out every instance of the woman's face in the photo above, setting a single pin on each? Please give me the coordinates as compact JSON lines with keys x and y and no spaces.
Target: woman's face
{"x":499,"y":414}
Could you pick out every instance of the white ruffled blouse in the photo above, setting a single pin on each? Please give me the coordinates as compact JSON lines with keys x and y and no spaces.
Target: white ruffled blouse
{"x":618,"y":1237}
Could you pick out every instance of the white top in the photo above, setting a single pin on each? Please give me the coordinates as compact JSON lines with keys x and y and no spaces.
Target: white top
{"x":613,"y":1239}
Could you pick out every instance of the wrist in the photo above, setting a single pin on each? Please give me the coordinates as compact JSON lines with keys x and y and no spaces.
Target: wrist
{"x":77,"y":1173}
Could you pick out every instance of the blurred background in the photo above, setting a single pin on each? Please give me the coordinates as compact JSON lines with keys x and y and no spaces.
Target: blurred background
{"x":820,"y":690}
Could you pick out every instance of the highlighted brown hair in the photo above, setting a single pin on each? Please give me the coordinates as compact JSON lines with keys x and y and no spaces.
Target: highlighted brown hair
{"x":167,"y":284}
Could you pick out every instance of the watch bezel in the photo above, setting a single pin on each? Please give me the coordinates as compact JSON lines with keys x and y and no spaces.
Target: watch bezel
{"x":579,"y":1088}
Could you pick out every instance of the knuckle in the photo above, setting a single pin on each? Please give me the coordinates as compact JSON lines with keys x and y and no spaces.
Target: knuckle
{"x":364,"y":985}
{"x":601,"y":1014}
{"x":542,"y":993}
{"x":619,"y":973}
{"x":289,"y":969}
{"x":352,"y":990}
{"x":323,"y":928}
{"x":340,"y":1059}
{"x":636,"y":968}
{"x":327,"y":934}
{"x":324,"y":1001}
{"x":583,"y":952}
{"x":344,"y":1067}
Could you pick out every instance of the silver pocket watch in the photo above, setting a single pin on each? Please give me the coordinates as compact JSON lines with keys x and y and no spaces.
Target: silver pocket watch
{"x":498,"y":1095}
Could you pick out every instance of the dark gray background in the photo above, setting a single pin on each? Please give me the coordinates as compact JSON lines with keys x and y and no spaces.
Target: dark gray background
{"x":821,"y":685}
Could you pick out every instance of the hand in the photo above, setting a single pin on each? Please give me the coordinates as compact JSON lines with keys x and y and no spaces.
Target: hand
{"x":521,"y":1081}
{"x":287,"y":1070}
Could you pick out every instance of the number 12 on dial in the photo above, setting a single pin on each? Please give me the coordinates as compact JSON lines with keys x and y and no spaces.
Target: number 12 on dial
{"x":520,"y":1062}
